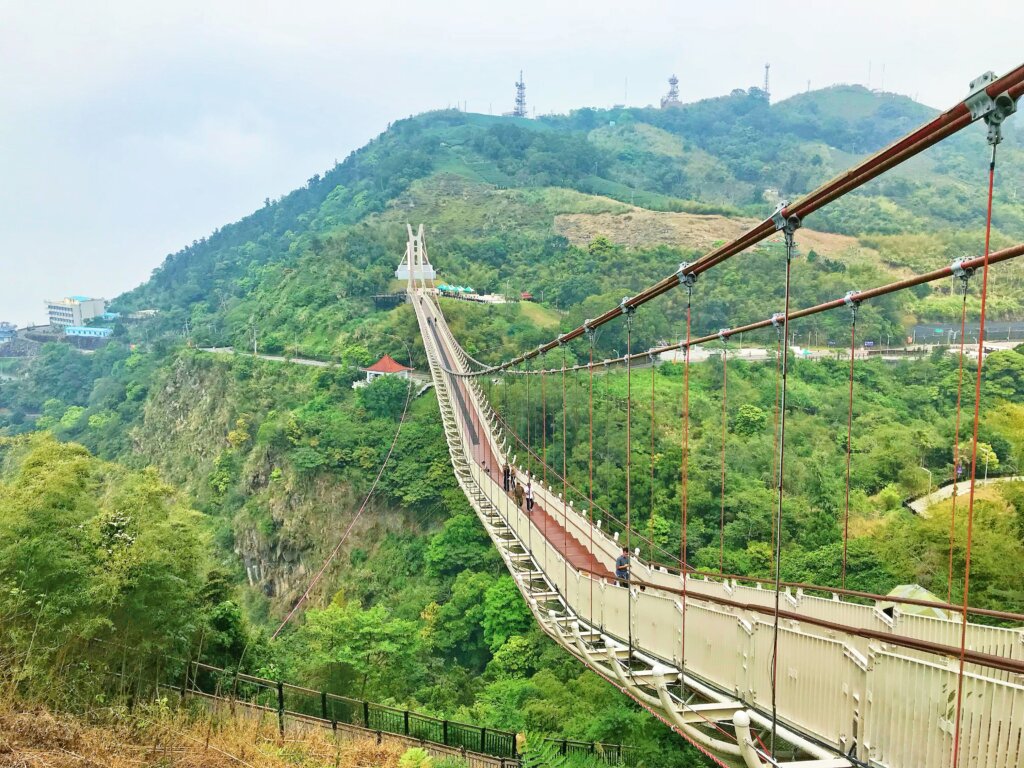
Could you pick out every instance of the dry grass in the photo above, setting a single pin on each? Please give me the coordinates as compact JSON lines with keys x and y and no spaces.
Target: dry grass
{"x":640,"y":227}
{"x":158,"y":737}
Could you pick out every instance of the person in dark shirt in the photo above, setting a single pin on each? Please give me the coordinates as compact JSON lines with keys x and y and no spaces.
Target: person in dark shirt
{"x":622,"y":567}
{"x":506,"y":475}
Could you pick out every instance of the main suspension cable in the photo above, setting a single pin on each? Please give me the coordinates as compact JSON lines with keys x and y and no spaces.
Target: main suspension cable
{"x":1006,"y":254}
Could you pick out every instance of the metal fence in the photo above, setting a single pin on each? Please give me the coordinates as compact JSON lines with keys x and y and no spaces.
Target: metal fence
{"x":288,"y":699}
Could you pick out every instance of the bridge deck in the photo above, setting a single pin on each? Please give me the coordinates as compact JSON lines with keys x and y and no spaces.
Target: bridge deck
{"x":569,"y":546}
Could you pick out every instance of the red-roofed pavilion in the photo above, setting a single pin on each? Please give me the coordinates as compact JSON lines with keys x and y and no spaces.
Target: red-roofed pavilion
{"x":387,"y":366}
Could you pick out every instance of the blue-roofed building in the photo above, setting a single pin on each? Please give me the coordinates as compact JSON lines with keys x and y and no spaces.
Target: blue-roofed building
{"x":8,"y":331}
{"x":110,"y":316}
{"x":88,"y":332}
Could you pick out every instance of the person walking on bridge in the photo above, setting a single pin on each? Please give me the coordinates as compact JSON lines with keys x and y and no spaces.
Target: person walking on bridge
{"x":506,"y":474}
{"x":529,"y":495}
{"x":517,"y":493}
{"x":622,"y":567}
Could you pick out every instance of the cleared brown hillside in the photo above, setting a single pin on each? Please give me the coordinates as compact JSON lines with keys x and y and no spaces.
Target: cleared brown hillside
{"x":640,"y":227}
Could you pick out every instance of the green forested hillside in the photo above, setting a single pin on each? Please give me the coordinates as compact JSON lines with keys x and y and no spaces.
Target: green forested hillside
{"x":580,"y":210}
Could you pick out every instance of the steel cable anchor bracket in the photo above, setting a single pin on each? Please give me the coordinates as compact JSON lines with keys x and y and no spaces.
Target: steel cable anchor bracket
{"x":686,"y":278}
{"x":964,"y":273}
{"x":627,"y":309}
{"x":786,"y":224}
{"x":851,"y":300}
{"x":993,"y":110}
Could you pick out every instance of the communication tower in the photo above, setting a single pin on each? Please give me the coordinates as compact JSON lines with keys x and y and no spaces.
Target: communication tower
{"x":671,"y":99}
{"x":520,"y":108}
{"x":766,"y":68}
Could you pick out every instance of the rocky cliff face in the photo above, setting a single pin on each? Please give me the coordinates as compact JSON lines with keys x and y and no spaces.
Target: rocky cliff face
{"x":201,"y":428}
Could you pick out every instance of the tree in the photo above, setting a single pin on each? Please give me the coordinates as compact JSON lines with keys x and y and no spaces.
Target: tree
{"x":750,"y":420}
{"x":515,"y":659}
{"x":378,"y":651}
{"x":462,"y":544}
{"x":505,"y":613}
{"x":456,"y":627}
{"x":987,"y":459}
{"x":384,"y":396}
{"x":91,"y":551}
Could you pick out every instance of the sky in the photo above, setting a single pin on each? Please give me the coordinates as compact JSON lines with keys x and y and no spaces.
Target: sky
{"x":129,"y":128}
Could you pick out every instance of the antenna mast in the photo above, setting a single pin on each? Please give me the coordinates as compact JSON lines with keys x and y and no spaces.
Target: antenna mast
{"x":767,"y":66}
{"x":520,"y":108}
{"x":672,"y":98}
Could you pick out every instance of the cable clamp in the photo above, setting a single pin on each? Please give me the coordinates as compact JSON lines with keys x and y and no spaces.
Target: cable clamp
{"x":851,"y":300}
{"x":686,"y":278}
{"x":723,"y":334}
{"x":561,"y":339}
{"x":993,"y":110}
{"x":625,"y":307}
{"x":778,"y":320}
{"x":783,"y":221}
{"x":652,"y":357}
{"x":959,"y":270}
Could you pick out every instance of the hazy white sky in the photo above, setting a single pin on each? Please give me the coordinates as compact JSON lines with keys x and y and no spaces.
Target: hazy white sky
{"x":129,"y":128}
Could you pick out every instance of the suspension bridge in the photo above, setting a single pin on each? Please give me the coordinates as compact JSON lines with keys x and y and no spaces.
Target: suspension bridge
{"x":753,"y":672}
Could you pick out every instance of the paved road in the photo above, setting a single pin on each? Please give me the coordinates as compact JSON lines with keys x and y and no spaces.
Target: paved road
{"x":278,"y":358}
{"x":920,"y":505}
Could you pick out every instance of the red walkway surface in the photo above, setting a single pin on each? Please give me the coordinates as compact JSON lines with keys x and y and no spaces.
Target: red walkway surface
{"x":569,"y":545}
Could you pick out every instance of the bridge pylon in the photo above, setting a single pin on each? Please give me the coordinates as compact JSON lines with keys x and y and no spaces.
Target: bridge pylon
{"x":415,"y":264}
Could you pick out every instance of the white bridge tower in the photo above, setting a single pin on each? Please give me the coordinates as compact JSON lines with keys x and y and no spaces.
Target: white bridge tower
{"x":415,"y":264}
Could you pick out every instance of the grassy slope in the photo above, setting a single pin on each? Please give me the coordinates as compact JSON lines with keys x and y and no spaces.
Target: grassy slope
{"x":155,"y":736}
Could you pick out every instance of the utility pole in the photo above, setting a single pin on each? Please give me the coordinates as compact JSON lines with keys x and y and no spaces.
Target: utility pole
{"x":254,"y":331}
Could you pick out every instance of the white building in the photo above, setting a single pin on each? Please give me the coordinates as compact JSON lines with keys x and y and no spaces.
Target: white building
{"x":74,"y":310}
